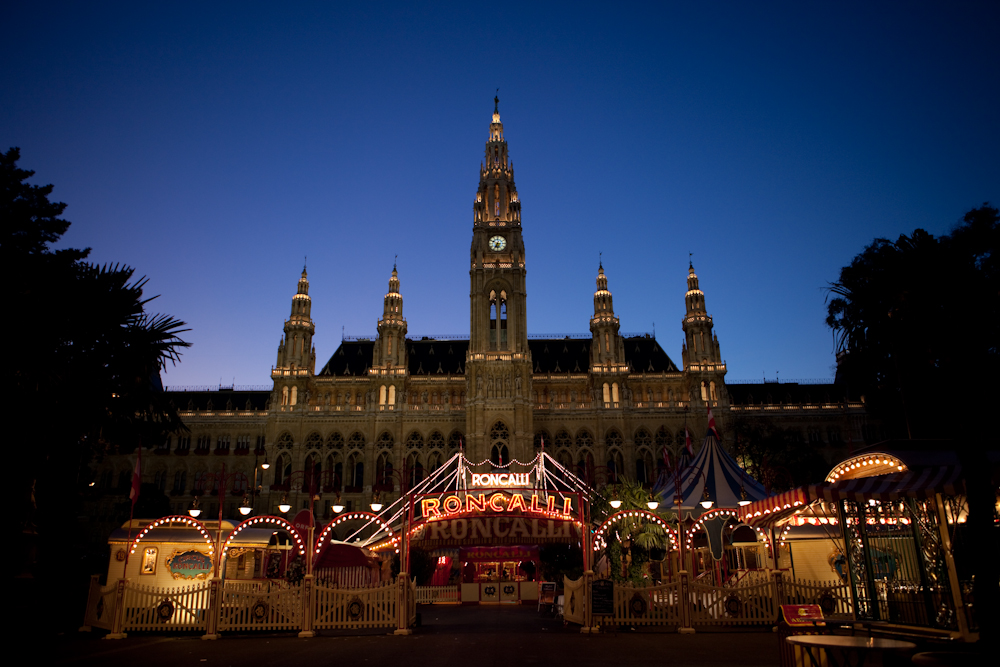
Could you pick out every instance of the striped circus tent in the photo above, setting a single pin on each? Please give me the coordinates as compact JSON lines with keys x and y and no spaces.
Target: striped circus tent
{"x":712,"y":468}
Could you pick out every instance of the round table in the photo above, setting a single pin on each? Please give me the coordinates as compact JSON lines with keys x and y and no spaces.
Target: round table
{"x":859,"y":646}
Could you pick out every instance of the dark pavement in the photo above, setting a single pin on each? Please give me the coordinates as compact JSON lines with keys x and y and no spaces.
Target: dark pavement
{"x":488,"y":636}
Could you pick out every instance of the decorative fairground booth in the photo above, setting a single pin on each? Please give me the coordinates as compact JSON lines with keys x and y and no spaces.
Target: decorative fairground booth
{"x":899,"y":508}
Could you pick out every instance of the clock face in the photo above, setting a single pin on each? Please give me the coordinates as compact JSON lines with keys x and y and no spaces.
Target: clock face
{"x":498,"y":243}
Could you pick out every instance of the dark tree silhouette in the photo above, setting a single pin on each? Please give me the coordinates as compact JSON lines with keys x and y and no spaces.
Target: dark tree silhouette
{"x":917,"y":322}
{"x":83,"y":364}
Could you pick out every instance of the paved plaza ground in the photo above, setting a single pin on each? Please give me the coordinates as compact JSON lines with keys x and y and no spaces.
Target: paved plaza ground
{"x":488,"y":636}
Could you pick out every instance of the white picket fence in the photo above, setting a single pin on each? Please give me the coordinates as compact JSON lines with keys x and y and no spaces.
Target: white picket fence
{"x":101,"y":603}
{"x":344,"y":608}
{"x":437,"y":594}
{"x":161,"y":608}
{"x":740,"y":605}
{"x":653,"y":605}
{"x":266,"y":605}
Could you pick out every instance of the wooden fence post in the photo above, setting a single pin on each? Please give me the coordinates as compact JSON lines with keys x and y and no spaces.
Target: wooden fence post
{"x":307,"y":607}
{"x":685,"y":602}
{"x":779,"y":588}
{"x":402,"y":606}
{"x":588,"y":612}
{"x":214,"y":610}
{"x":95,"y":591}
{"x":119,"y":617}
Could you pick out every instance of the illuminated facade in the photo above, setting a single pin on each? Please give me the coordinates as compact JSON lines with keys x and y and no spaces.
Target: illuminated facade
{"x":386,"y":410}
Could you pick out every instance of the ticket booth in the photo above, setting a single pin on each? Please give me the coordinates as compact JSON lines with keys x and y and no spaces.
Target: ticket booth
{"x":499,"y":574}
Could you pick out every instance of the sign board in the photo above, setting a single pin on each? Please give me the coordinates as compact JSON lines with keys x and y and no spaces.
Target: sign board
{"x":546,"y":592}
{"x":797,"y":615}
{"x":602,"y":597}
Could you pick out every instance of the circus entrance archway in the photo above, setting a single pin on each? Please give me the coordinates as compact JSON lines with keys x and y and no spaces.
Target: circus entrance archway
{"x":487,"y":540}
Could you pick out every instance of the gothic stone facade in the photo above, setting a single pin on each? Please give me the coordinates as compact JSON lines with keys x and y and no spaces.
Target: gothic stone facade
{"x":385,"y":410}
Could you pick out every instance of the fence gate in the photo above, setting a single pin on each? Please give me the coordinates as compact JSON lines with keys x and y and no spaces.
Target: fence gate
{"x":268,"y":605}
{"x":159,"y":609}
{"x":340,"y":608}
{"x":655,"y":605}
{"x":739,"y":605}
{"x":100,"y":604}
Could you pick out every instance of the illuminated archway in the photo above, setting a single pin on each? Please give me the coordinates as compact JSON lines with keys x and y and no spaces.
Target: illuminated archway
{"x":276,"y":520}
{"x":599,"y":541}
{"x":353,"y":516}
{"x":175,"y":518}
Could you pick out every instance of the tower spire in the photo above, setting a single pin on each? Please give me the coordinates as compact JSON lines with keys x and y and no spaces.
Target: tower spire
{"x":701,"y":354}
{"x":296,"y":355}
{"x":607,"y":350}
{"x":391,"y":349}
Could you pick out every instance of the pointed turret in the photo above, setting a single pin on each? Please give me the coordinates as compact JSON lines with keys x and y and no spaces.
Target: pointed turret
{"x":607,"y":350}
{"x":391,"y":349}
{"x":701,"y":354}
{"x":296,"y":354}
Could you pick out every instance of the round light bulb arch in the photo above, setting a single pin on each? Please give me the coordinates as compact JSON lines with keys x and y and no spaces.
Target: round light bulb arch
{"x":353,"y":516}
{"x":600,"y":541}
{"x":268,"y":519}
{"x":191,"y":522}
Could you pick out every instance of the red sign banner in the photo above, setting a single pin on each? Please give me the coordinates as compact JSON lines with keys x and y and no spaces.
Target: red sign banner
{"x":518,"y":553}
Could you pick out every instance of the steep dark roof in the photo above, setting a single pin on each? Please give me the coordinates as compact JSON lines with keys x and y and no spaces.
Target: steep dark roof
{"x":353,"y":357}
{"x":646,"y":356}
{"x":430,"y":356}
{"x":223,"y":399}
{"x":793,"y":393}
{"x":559,"y":355}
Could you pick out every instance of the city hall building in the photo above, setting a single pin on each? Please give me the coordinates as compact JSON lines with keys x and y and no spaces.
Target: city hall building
{"x":382,"y":412}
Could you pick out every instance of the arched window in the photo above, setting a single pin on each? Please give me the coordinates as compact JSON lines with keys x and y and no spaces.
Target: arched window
{"x":711,"y":391}
{"x":335,"y":441}
{"x":503,"y":320}
{"x":607,"y":393}
{"x":584,"y":440}
{"x":435,"y":440}
{"x":614,"y":392}
{"x":284,"y":395}
{"x":414,"y":469}
{"x":704,"y":391}
{"x":295,"y":396}
{"x":313,"y":474}
{"x":392,"y":394}
{"x":285,"y":441}
{"x":356,"y":470}
{"x":381,"y":395}
{"x":356,"y":441}
{"x":499,"y":438}
{"x":414,"y":440}
{"x":385,"y":440}
{"x":383,"y":473}
{"x":455,"y":440}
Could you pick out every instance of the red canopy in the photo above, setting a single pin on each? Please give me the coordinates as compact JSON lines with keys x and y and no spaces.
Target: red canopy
{"x":342,"y":555}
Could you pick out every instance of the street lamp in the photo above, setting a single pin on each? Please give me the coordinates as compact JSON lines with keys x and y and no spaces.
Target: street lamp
{"x":338,"y":505}
{"x":194,"y":511}
{"x":706,"y":499}
{"x":376,"y":504}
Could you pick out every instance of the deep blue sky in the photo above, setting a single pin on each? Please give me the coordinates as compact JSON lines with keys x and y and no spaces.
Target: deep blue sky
{"x":211,"y":147}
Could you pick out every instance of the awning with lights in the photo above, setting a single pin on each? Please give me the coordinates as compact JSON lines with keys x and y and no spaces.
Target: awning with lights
{"x":914,"y":483}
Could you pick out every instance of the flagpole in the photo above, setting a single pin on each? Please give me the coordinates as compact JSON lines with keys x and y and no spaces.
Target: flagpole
{"x":134,"y":496}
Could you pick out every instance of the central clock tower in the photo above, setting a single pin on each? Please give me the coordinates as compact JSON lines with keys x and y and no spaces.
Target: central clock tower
{"x":498,"y":367}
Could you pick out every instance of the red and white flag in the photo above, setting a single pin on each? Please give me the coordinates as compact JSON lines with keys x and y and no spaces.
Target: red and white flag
{"x":666,"y":460}
{"x":687,"y":442}
{"x":711,"y":424}
{"x":136,"y":479}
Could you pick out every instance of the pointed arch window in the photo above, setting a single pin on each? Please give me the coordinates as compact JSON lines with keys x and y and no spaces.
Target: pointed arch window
{"x":498,"y":320}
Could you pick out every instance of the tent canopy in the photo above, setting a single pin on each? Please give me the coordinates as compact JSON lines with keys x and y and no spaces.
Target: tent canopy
{"x":914,"y":483}
{"x":715,"y":469}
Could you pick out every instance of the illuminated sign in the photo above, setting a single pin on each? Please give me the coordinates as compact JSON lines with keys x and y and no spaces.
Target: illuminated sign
{"x":500,"y":480}
{"x":437,"y":508}
{"x":496,"y":530}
